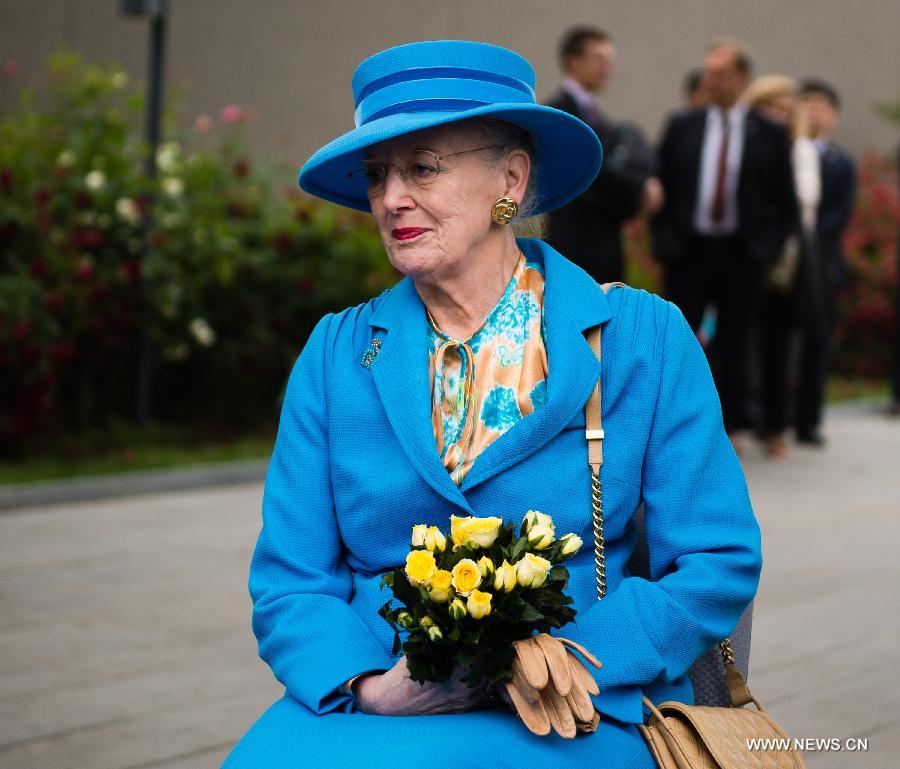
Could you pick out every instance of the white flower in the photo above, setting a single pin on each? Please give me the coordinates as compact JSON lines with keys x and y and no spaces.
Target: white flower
{"x":171,"y":219}
{"x":418,"y":534}
{"x":127,"y":210}
{"x":167,"y":156}
{"x":202,"y":332}
{"x":434,"y":539}
{"x":571,"y":543}
{"x":505,"y":577}
{"x":173,"y":186}
{"x":539,"y":529}
{"x":532,"y":570}
{"x":66,"y":159}
{"x":95,"y":180}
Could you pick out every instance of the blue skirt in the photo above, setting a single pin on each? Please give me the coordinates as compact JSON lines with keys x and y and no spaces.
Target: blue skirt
{"x":290,"y":736}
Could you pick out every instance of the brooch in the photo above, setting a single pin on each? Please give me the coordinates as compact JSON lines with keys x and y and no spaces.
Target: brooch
{"x":370,"y":353}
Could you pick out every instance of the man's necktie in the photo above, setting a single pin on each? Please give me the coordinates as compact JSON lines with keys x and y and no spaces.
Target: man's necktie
{"x":717,"y":213}
{"x":591,"y":115}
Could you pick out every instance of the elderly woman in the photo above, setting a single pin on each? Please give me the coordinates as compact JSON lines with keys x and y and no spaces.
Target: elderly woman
{"x":461,"y":391}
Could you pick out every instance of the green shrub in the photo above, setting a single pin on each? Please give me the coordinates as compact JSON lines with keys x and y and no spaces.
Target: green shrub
{"x":240,"y":264}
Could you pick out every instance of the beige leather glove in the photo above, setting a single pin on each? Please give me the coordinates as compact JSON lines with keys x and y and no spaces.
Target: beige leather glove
{"x":550,"y":686}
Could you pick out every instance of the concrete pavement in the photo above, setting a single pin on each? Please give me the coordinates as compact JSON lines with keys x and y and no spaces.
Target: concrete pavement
{"x":125,"y":638}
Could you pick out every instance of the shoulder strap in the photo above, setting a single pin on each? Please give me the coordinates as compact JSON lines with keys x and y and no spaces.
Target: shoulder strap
{"x":593,"y":410}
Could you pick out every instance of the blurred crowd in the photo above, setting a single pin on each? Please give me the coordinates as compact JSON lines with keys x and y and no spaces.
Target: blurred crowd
{"x":748,"y":196}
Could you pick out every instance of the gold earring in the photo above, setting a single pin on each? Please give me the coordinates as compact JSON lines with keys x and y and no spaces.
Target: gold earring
{"x":503,"y":211}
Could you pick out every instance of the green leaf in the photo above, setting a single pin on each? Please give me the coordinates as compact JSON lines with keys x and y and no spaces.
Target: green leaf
{"x":530,"y":614}
{"x":518,"y":549}
{"x":559,"y":574}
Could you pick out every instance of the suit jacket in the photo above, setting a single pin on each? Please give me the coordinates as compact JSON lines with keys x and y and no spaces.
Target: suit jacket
{"x":767,"y":206}
{"x":355,"y":466}
{"x":835,"y":207}
{"x":587,"y":230}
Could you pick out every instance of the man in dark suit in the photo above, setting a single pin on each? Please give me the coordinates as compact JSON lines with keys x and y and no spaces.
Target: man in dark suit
{"x":588,"y":230}
{"x":729,"y":205}
{"x":820,"y":107}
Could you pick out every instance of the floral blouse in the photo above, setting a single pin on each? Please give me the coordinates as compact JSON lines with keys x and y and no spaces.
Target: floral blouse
{"x":483,"y":385}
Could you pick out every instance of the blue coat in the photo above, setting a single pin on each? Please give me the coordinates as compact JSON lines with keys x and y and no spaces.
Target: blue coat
{"x":355,"y":465}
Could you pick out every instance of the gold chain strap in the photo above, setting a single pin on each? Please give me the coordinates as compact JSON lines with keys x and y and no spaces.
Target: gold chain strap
{"x":599,"y":546}
{"x":594,"y":435}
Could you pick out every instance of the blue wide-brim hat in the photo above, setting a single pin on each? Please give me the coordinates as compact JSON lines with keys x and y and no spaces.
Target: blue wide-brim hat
{"x":430,"y":83}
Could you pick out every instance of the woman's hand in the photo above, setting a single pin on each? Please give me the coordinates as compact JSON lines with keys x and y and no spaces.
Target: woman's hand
{"x":394,"y":693}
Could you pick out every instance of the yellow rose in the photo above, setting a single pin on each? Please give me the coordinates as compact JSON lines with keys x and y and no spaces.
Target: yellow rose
{"x":481,"y":532}
{"x":434,"y":540}
{"x":420,"y":567}
{"x":457,"y":609}
{"x":479,"y":604}
{"x":533,"y":517}
{"x":571,"y":544}
{"x":539,"y":529}
{"x":505,"y":577}
{"x":418,"y":535}
{"x":486,"y":567}
{"x":434,"y":633}
{"x":457,"y":533}
{"x":466,"y":576}
{"x":532,"y":570}
{"x":439,"y":587}
{"x":474,"y":532}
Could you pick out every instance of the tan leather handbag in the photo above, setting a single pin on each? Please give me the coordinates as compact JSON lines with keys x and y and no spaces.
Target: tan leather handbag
{"x":684,"y":736}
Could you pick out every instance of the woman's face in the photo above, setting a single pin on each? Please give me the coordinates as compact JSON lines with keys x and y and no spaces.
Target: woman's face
{"x":778,"y":108}
{"x":430,"y":226}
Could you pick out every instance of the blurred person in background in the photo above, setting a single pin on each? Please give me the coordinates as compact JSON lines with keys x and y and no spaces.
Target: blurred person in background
{"x":795,"y":291}
{"x":729,"y":205}
{"x":588,"y":230}
{"x":693,"y":89}
{"x":820,"y":108}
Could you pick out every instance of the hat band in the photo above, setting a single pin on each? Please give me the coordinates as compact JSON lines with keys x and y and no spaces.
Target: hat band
{"x":453,"y":73}
{"x":424,"y":95}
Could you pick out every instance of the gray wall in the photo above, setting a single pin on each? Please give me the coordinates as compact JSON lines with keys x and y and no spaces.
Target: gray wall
{"x":293,"y":60}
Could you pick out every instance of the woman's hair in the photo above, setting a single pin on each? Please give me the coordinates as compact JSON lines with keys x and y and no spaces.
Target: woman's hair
{"x":770,"y":87}
{"x":509,"y":136}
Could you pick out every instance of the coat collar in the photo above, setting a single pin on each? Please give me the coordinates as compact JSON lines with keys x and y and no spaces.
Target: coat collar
{"x":573,"y":303}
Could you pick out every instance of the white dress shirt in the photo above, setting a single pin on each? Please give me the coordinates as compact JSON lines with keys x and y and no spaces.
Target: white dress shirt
{"x":583,"y":97}
{"x":807,"y":179}
{"x":709,"y":161}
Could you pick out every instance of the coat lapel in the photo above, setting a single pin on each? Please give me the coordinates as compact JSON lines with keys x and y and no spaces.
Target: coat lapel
{"x":400,"y":371}
{"x":573,"y":302}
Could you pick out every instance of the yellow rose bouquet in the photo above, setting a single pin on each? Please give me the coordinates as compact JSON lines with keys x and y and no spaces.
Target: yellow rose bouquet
{"x":468,"y":602}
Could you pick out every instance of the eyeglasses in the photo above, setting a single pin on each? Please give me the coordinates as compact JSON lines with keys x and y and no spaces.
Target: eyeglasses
{"x":422,"y":169}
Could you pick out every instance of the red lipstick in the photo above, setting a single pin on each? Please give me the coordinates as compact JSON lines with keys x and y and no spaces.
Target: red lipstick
{"x":407,"y":233}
